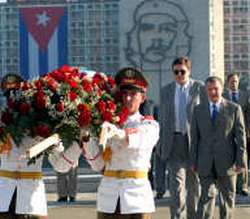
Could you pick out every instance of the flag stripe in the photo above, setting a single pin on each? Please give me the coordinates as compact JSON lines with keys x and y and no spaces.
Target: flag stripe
{"x":24,"y":54}
{"x":34,"y":62}
{"x":35,"y":59}
{"x":53,"y":52}
{"x":62,"y":39}
{"x":43,"y":61}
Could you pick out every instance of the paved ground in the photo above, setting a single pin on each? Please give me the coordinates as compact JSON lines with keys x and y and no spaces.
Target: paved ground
{"x":84,"y":208}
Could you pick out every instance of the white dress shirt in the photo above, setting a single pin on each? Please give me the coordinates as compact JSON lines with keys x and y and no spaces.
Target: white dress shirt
{"x":178,"y":88}
{"x":217,"y":104}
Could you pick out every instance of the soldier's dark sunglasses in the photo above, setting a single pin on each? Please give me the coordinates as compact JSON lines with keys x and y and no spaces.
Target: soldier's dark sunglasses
{"x":183,"y":72}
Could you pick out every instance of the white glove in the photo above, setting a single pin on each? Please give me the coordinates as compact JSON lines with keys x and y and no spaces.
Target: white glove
{"x":113,"y":131}
{"x":57,"y":149}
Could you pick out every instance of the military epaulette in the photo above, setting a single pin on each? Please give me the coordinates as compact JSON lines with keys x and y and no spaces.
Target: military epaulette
{"x":148,"y":117}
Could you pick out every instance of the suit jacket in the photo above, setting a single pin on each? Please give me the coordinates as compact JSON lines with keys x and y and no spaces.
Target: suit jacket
{"x":244,"y":102}
{"x":220,"y":145}
{"x":167,"y":114}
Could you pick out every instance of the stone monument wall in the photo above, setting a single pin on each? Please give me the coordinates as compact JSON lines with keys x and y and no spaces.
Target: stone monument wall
{"x":155,"y":32}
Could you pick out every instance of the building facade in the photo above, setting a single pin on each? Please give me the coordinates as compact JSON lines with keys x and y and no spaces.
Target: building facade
{"x":237,"y":39}
{"x":105,"y":35}
{"x":92,"y":34}
{"x":95,"y":23}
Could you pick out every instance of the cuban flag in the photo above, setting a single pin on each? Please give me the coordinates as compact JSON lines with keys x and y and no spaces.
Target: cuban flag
{"x":43,"y":40}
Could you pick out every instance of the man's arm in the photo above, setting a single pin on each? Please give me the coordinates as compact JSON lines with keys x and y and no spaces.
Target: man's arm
{"x":247,"y":116}
{"x":194,"y":142}
{"x":240,"y":137}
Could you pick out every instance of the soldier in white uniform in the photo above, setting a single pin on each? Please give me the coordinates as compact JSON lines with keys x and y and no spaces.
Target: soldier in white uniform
{"x":125,"y":190}
{"x":22,"y":191}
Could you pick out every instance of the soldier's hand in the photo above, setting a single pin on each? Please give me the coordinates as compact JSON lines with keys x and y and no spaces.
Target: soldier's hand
{"x":58,"y":148}
{"x":113,"y":131}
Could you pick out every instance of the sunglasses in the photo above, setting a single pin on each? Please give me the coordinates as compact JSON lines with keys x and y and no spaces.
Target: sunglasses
{"x":183,"y":72}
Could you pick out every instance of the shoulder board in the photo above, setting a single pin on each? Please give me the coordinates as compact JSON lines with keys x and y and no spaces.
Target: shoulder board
{"x":147,"y":117}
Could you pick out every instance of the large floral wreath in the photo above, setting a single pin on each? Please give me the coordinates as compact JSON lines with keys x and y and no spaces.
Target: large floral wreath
{"x":62,"y":101}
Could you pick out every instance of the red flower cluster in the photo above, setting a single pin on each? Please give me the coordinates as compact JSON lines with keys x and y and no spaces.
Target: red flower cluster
{"x":61,"y":102}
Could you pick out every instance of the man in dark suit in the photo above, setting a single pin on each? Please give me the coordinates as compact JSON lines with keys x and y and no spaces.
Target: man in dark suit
{"x":177,"y":102}
{"x":218,"y":144}
{"x":242,"y":98}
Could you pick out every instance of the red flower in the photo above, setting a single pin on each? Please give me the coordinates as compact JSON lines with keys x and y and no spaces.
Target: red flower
{"x":57,"y":75}
{"x":67,"y":69}
{"x":97,"y":78}
{"x":25,"y":86}
{"x":111,"y":106}
{"x":72,"y":96}
{"x":84,"y":118}
{"x":40,"y":100}
{"x":123,"y":115}
{"x":6,"y":118}
{"x":24,"y":108}
{"x":111,"y":81}
{"x":85,"y":115}
{"x":82,"y":107}
{"x":43,"y":130}
{"x":38,"y":85}
{"x":73,"y":84}
{"x":101,"y":106}
{"x":60,"y":107}
{"x":107,"y":116}
{"x":52,"y":84}
{"x":98,"y":91}
{"x":86,"y":86}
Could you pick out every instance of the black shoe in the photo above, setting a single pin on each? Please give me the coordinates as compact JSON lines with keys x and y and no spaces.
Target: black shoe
{"x":72,"y":199}
{"x":244,"y":193}
{"x":159,"y":195}
{"x":62,"y":199}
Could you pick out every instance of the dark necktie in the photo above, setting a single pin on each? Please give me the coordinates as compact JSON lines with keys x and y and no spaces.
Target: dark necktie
{"x":234,"y":97}
{"x":214,"y":113}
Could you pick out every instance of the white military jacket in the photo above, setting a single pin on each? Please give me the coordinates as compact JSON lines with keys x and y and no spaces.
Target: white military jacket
{"x":135,"y":195}
{"x":31,"y":196}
